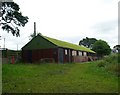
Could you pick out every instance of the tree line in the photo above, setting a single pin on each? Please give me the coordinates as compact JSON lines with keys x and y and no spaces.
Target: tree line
{"x":101,"y":47}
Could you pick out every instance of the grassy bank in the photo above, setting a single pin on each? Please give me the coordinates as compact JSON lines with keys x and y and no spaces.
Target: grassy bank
{"x":110,"y":63}
{"x":58,"y":78}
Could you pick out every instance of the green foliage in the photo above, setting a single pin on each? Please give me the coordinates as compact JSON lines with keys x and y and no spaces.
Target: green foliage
{"x":57,"y":78}
{"x":101,"y":63}
{"x":88,"y":42}
{"x":11,"y":18}
{"x":101,"y":48}
{"x":110,"y":63}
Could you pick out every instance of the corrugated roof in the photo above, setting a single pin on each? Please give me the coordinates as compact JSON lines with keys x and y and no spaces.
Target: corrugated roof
{"x":67,"y":44}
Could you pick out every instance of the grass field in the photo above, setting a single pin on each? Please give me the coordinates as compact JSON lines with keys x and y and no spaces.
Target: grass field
{"x":58,"y":78}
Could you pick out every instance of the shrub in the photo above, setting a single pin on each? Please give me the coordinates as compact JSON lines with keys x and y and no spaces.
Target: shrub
{"x":110,"y":63}
{"x":112,"y":59}
{"x":114,"y":68}
{"x":101,"y":63}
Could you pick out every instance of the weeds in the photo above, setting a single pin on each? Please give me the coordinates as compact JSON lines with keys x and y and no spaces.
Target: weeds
{"x":110,"y":63}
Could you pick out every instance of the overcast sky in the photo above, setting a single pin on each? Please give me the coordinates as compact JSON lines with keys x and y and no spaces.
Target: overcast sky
{"x":67,"y":20}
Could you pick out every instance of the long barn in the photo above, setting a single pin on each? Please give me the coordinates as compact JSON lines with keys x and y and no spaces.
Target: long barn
{"x":46,"y":48}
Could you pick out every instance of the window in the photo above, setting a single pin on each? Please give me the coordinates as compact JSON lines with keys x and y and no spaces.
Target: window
{"x":74,"y":53}
{"x":80,"y":53}
{"x":65,"y":51}
{"x":85,"y":53}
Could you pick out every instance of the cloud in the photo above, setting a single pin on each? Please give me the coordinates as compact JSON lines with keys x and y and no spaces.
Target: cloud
{"x":107,"y":31}
{"x":105,"y":27}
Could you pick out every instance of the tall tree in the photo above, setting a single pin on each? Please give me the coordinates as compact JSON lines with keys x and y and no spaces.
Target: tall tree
{"x":88,"y":42}
{"x":101,"y":48}
{"x":11,"y":18}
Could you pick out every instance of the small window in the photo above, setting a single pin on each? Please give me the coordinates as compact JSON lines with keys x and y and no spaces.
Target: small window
{"x":74,"y":53}
{"x":85,"y":53}
{"x":80,"y":53}
{"x":65,"y":51}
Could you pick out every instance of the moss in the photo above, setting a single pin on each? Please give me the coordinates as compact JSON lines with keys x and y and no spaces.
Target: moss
{"x":68,"y":45}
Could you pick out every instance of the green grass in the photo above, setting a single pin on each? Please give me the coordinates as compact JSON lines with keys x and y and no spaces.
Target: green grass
{"x":111,"y":63}
{"x":58,"y":78}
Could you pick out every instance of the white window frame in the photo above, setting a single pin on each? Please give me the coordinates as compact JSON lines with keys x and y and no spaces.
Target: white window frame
{"x":85,"y":53}
{"x":66,"y":52}
{"x":74,"y":53}
{"x":79,"y":53}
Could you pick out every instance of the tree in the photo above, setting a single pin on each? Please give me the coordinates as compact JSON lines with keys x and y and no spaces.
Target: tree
{"x":101,"y":48}
{"x":11,"y":18}
{"x":116,"y":48}
{"x":88,"y":42}
{"x":33,"y":35}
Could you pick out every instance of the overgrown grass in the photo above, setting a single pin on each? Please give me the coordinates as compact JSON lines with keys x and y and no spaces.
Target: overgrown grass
{"x":110,"y":63}
{"x":58,"y":78}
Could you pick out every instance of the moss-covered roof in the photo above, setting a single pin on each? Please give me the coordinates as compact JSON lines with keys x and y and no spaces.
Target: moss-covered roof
{"x":67,"y":44}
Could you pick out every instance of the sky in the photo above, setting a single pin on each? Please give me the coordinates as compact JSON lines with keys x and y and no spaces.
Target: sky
{"x":67,"y":20}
